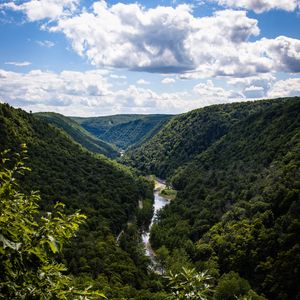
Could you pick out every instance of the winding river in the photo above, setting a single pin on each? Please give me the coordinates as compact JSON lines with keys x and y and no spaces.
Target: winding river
{"x":159,"y":203}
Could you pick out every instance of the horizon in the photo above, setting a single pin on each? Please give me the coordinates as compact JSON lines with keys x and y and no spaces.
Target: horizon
{"x":86,"y":58}
{"x":148,"y":114}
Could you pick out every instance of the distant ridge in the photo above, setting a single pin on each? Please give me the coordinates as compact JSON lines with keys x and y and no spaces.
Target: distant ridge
{"x":78,"y":134}
{"x":126,"y":130}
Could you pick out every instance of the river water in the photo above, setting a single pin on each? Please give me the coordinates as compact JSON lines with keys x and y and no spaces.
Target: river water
{"x":159,"y":203}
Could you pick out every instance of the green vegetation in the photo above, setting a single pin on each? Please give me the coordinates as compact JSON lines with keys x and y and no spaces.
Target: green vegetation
{"x":236,"y":170}
{"x":124,"y":130}
{"x":232,"y":231}
{"x":169,"y":193}
{"x":106,"y":192}
{"x":187,"y":135}
{"x":189,"y":284}
{"x":79,"y":134}
{"x":29,"y":242}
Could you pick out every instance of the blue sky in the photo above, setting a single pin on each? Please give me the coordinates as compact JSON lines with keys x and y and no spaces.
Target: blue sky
{"x":90,"y":57}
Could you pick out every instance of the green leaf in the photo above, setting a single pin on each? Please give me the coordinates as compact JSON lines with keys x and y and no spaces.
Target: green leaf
{"x":9,"y":244}
{"x":52,"y":243}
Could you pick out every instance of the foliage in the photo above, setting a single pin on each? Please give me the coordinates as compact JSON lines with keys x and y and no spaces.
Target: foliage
{"x":186,"y":135}
{"x":124,"y":130}
{"x":29,"y":242}
{"x":105,"y":191}
{"x":231,"y":286}
{"x":169,"y":193}
{"x":237,"y":207}
{"x":79,"y":134}
{"x":190,"y":284}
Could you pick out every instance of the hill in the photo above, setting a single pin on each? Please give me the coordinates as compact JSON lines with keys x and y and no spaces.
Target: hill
{"x":106,"y":192}
{"x":187,"y":135}
{"x":123,"y":130}
{"x":238,"y":203}
{"x":79,"y":134}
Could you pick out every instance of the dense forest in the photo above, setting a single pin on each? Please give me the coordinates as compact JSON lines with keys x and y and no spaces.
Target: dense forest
{"x":106,"y":192}
{"x":236,"y":170}
{"x":230,"y":232}
{"x":124,"y":130}
{"x":79,"y":134}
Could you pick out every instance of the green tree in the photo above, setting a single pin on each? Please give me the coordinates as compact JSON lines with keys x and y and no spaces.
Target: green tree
{"x":190,"y":284}
{"x":29,"y":241}
{"x":231,"y":287}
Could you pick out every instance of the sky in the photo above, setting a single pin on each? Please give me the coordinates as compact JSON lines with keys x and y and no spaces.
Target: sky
{"x":93,"y":58}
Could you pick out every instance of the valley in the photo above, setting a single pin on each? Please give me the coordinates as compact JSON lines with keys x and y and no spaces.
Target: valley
{"x":232,"y":172}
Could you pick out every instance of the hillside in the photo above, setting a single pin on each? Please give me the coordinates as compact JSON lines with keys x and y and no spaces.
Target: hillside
{"x":123,"y":130}
{"x":238,"y":202}
{"x":106,"y":192}
{"x":79,"y":134}
{"x":187,"y":135}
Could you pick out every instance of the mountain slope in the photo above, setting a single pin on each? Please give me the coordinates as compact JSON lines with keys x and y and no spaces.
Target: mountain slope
{"x":123,"y":130}
{"x":106,"y":192}
{"x":187,"y":135}
{"x":78,"y":134}
{"x":238,"y":202}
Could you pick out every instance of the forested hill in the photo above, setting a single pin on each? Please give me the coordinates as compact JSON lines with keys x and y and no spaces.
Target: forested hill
{"x":124,"y":130}
{"x":79,"y":134}
{"x":238,"y":202}
{"x":106,"y":192}
{"x":189,"y":134}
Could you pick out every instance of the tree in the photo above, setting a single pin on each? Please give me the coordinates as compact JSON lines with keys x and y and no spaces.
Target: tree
{"x":30,"y":240}
{"x":190,"y":284}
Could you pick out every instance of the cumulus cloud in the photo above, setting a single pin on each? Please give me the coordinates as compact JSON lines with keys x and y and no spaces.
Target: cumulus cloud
{"x":168,"y":39}
{"x":18,"y":63}
{"x":212,"y":94}
{"x":285,"y":88}
{"x":260,"y":6}
{"x":254,"y":86}
{"x":36,"y":10}
{"x":168,"y":80}
{"x":62,"y":89}
{"x":172,"y":40}
{"x":284,"y":52}
{"x":163,"y":39}
{"x":85,"y":93}
{"x":142,"y":82}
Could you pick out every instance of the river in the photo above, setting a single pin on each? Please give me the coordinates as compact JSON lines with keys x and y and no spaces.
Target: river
{"x":159,"y":203}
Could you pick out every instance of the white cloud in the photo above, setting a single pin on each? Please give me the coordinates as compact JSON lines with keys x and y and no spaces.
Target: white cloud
{"x":254,"y":86}
{"x":46,"y":43}
{"x":168,"y":80}
{"x":89,"y":93}
{"x":18,"y":63}
{"x":143,"y":82}
{"x":285,"y":88}
{"x":259,"y":80}
{"x":172,"y":40}
{"x":169,"y":39}
{"x":115,"y":76}
{"x":260,"y":6}
{"x":48,"y":88}
{"x":212,"y":94}
{"x":284,"y":52}
{"x":36,"y":10}
{"x":163,"y":39}
{"x":85,"y":93}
